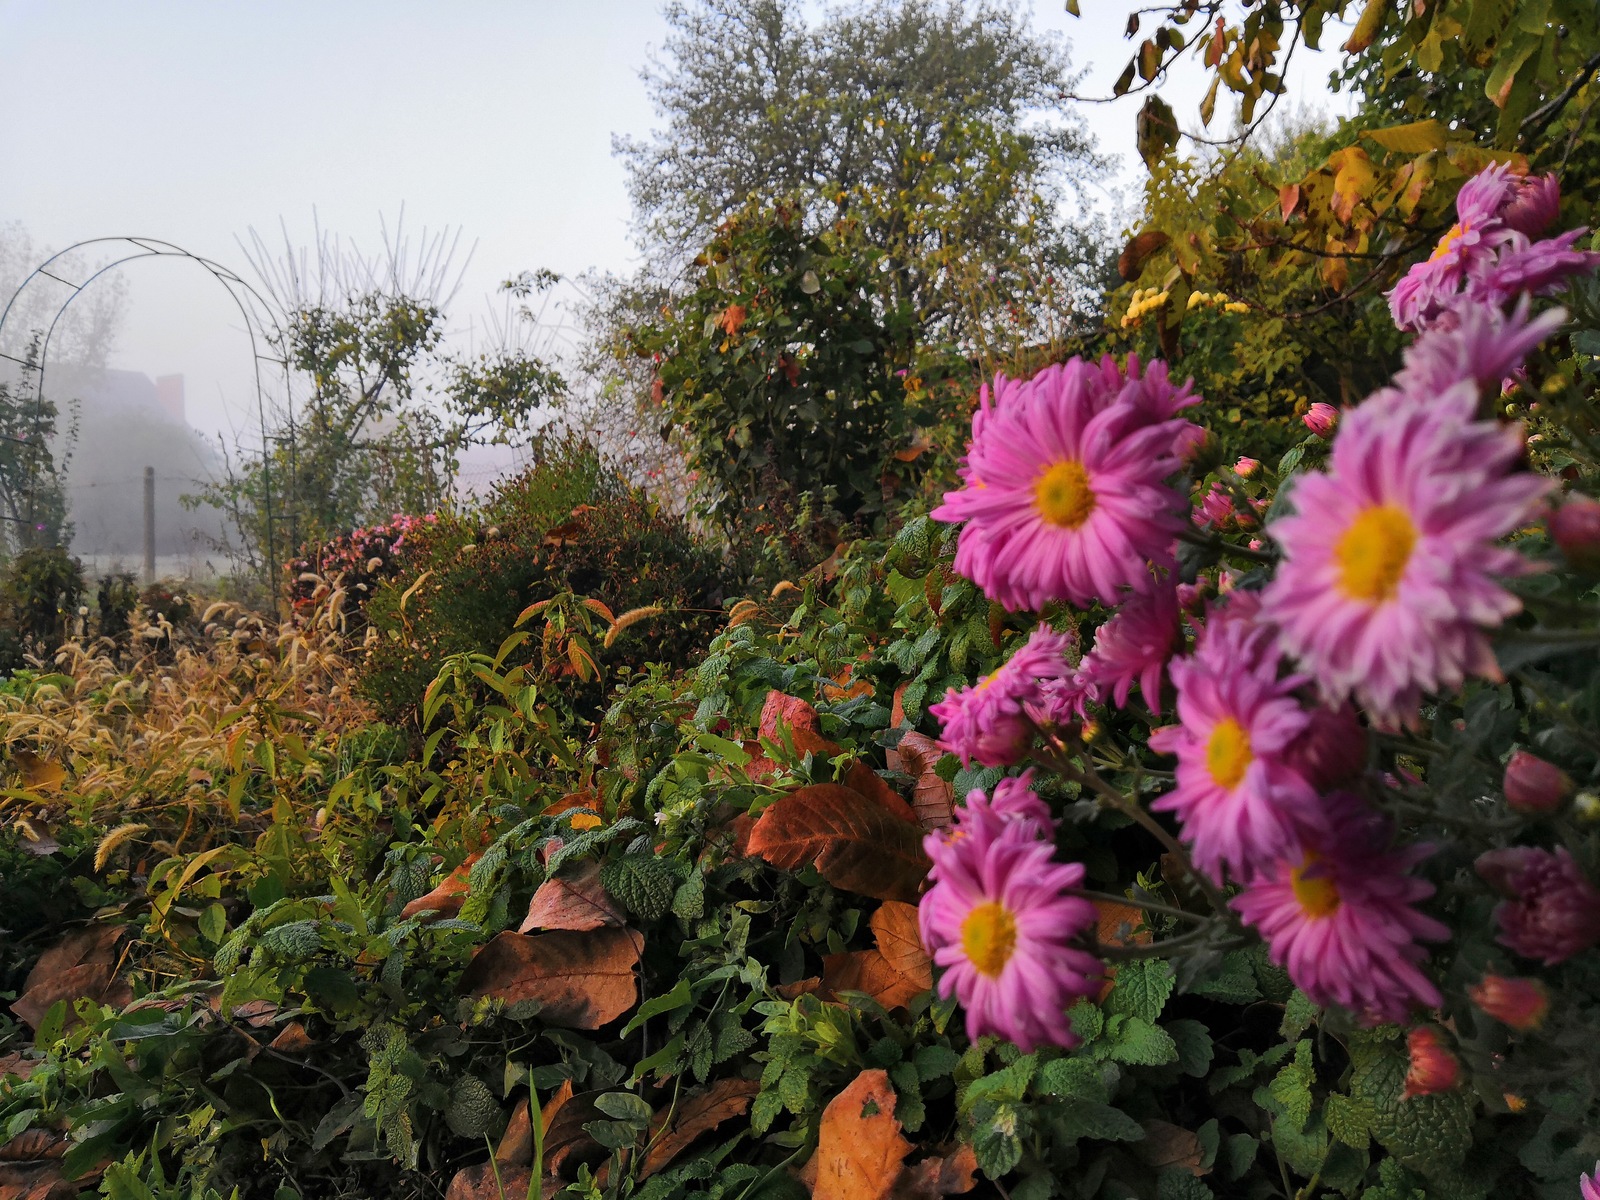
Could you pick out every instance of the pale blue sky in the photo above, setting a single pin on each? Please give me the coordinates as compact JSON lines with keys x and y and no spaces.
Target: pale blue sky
{"x":195,"y":120}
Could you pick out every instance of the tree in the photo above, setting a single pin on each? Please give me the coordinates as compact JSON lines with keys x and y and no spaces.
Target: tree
{"x":943,"y":129}
{"x":389,"y":407}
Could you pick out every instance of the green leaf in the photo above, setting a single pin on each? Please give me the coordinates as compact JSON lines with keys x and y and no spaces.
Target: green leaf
{"x":473,"y":1111}
{"x":1239,"y":1154}
{"x":1298,"y":1014}
{"x":935,"y":1062}
{"x":678,"y":997}
{"x":996,"y":1143}
{"x":1175,"y":1183}
{"x":1078,"y":1078}
{"x":1347,"y":1120}
{"x":1088,"y":1022}
{"x":1140,"y":1043}
{"x":624,"y":1106}
{"x":213,"y":924}
{"x":1141,"y":988}
{"x":1234,"y":982}
{"x":642,"y":883}
{"x":1195,"y":1049}
{"x":1291,"y":1086}
{"x":1088,"y":1119}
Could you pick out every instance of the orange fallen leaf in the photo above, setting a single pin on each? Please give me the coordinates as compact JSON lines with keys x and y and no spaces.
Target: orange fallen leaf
{"x":573,"y":900}
{"x":860,"y":1148}
{"x":932,"y":799}
{"x":34,"y":1181}
{"x":581,"y":981}
{"x":584,"y":798}
{"x":732,"y":319}
{"x":696,"y":1115}
{"x":292,"y":1040}
{"x":1116,"y":927}
{"x":856,"y":843}
{"x":33,"y":1145}
{"x":894,"y":973}
{"x":446,"y":899}
{"x":946,"y":1175}
{"x":862,"y":778}
{"x":17,"y":1065}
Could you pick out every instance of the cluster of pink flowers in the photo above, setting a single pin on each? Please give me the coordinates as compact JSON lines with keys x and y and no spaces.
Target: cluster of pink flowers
{"x":1387,"y":591}
{"x":1001,"y":919}
{"x":357,"y":561}
{"x":1489,"y":254}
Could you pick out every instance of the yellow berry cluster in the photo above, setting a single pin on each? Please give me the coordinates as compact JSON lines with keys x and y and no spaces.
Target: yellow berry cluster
{"x":1217,"y":300}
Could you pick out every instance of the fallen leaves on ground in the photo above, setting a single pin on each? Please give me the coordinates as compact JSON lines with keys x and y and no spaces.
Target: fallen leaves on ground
{"x":861,"y":1152}
{"x":580,"y":981}
{"x":584,"y":798}
{"x":894,"y":973}
{"x":857,"y":843}
{"x":1168,"y":1145}
{"x":573,"y":900}
{"x":696,"y":1115}
{"x":83,"y":965}
{"x":1117,"y":926}
{"x":34,"y":1181}
{"x":38,"y":774}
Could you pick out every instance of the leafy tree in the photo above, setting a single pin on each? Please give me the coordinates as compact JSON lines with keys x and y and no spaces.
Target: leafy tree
{"x":390,"y":409}
{"x":944,"y":129}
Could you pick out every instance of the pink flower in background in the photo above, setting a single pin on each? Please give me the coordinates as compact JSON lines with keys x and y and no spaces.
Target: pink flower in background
{"x":1215,"y":510}
{"x":1575,"y":528}
{"x":1332,"y":750}
{"x":1520,"y":1004}
{"x":1551,"y":910}
{"x":1589,"y":1185}
{"x":1540,"y":268}
{"x":990,"y":721}
{"x":1339,"y":916}
{"x":1433,"y":1069}
{"x":1533,"y":206}
{"x":1483,"y":346}
{"x":1135,"y":645}
{"x":1239,"y":803}
{"x":1322,"y":419}
{"x":1246,"y":467}
{"x":1387,"y":582}
{"x":1013,"y":800}
{"x":1064,"y":495}
{"x":1000,"y":920}
{"x":1430,"y":288}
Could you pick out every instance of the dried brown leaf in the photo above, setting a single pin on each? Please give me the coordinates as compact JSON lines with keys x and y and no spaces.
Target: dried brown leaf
{"x":860,"y":1148}
{"x":856,"y":843}
{"x":574,"y":900}
{"x":932,"y":799}
{"x":581,"y":981}
{"x":696,"y":1115}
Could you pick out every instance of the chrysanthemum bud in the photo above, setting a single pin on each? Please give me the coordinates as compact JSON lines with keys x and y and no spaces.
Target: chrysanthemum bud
{"x":1516,"y":1002}
{"x":1246,"y":467}
{"x":1433,"y":1067}
{"x":1534,"y":204}
{"x":1575,"y":527}
{"x":1533,"y":785}
{"x":1321,"y":419}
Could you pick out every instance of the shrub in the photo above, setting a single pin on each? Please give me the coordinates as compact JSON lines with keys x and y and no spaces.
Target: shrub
{"x":39,"y":596}
{"x":566,"y":525}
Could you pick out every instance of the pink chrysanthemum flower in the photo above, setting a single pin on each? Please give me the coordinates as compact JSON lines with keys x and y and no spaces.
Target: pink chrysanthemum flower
{"x":1239,"y":803}
{"x":1522,"y":1004}
{"x":992,"y":721}
{"x":1483,"y":345}
{"x":1533,"y":206}
{"x":1064,"y":495}
{"x":1339,"y":916}
{"x":1388,"y":581}
{"x":1433,"y":1069}
{"x":1135,"y":645}
{"x":1215,"y":510}
{"x":1430,"y":288}
{"x":1000,"y":920}
{"x":1551,"y":910}
{"x":1589,"y":1185}
{"x":1538,"y":268}
{"x":1013,"y":800}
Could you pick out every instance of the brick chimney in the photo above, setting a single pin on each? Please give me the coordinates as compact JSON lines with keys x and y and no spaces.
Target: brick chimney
{"x":169,"y":395}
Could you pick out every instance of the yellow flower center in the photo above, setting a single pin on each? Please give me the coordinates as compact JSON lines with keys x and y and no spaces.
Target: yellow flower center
{"x":989,"y":936}
{"x":1317,"y":894}
{"x":1373,"y":553}
{"x":1063,"y":494}
{"x":1447,"y":243}
{"x":1228,"y":754}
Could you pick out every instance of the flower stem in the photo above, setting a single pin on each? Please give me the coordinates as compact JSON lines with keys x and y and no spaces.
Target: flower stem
{"x":1056,"y":758}
{"x":1148,"y":905}
{"x":1212,"y":541}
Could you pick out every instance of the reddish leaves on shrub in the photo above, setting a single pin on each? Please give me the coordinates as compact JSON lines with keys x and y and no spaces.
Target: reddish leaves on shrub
{"x":696,"y":1115}
{"x":581,"y":981}
{"x":574,"y":901}
{"x":856,"y":842}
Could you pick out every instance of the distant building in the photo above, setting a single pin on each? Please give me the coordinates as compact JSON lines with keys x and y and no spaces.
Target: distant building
{"x":169,"y":394}
{"x":130,"y":393}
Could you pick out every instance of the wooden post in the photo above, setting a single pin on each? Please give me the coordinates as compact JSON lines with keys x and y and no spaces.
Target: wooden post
{"x":149,"y":525}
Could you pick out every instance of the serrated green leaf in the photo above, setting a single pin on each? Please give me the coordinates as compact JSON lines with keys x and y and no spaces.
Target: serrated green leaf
{"x":1079,"y":1118}
{"x":1195,"y":1049}
{"x":1139,"y":1043}
{"x":1141,"y":988}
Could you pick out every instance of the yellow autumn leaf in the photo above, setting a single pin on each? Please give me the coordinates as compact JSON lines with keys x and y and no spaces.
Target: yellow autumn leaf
{"x":1353,"y":178}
